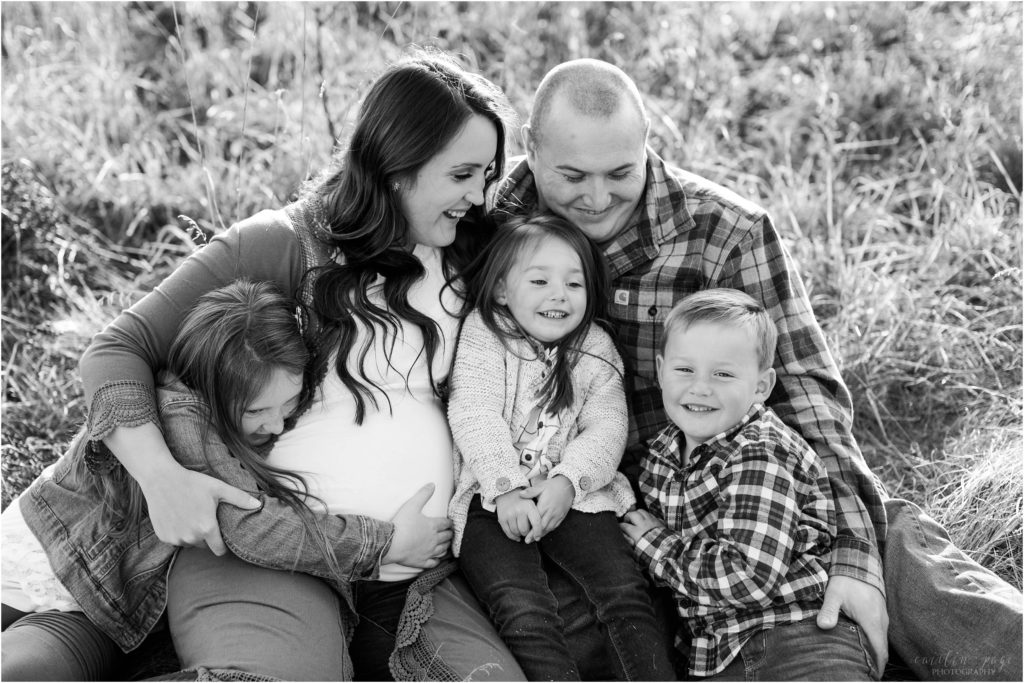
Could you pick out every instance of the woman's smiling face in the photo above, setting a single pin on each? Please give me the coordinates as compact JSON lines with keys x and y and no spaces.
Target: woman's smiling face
{"x":448,"y":185}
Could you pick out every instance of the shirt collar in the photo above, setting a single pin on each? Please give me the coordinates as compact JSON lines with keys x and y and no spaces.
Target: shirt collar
{"x":668,"y":444}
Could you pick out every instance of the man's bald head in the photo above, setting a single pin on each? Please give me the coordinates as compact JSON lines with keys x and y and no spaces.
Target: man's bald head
{"x":590,"y":87}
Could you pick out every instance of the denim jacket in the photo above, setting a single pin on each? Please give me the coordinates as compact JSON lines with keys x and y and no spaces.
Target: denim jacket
{"x":120,"y":580}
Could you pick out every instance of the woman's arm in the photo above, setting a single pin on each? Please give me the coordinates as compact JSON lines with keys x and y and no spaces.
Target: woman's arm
{"x":126,"y":353}
{"x":191,"y":511}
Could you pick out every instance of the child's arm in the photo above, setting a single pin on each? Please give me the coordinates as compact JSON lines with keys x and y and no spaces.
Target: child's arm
{"x":274,"y":536}
{"x":590,"y":460}
{"x":751,"y":541}
{"x":476,"y":411}
{"x":118,"y":367}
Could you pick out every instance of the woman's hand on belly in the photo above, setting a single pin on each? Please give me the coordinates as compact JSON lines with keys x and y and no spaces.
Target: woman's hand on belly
{"x":419,"y":541}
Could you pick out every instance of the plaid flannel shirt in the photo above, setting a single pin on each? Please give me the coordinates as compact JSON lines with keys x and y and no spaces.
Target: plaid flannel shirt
{"x":750,"y":521}
{"x":691,"y":234}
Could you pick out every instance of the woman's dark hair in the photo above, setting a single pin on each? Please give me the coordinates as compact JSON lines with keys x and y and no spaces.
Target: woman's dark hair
{"x":486,"y":274}
{"x":409,"y":115}
{"x":226,"y":351}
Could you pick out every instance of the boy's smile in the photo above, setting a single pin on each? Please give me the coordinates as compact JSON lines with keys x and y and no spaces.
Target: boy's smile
{"x":709,"y":379}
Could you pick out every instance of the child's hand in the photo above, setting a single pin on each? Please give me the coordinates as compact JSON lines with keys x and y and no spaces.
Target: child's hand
{"x":419,"y":541}
{"x":554,"y":498}
{"x":517,"y":516}
{"x":638,"y":522}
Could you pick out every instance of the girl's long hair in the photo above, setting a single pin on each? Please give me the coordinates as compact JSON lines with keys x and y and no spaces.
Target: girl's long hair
{"x":226,"y":352}
{"x":409,"y":115}
{"x":486,"y":274}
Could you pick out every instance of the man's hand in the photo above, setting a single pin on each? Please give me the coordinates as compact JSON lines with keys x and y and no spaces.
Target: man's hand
{"x":863,"y":603}
{"x":183,"y":507}
{"x":554,"y":498}
{"x":517,"y":516}
{"x":636,"y":523}
{"x":419,"y":541}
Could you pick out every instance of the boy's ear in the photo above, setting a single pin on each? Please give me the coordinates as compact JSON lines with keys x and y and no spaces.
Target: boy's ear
{"x":659,"y":360}
{"x":500,"y":294}
{"x":765,"y":384}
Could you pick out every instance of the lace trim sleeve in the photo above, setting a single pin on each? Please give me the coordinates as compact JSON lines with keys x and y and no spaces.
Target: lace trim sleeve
{"x":116,"y":404}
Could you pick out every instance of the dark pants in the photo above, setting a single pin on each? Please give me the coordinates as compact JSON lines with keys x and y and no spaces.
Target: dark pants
{"x":510,"y":580}
{"x":55,"y":646}
{"x":379,"y":604}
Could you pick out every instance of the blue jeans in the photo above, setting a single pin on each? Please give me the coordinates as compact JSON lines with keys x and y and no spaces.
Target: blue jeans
{"x":949,"y":618}
{"x":510,"y":580}
{"x":803,"y":652}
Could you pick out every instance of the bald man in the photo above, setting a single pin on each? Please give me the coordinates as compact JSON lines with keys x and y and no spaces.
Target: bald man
{"x":666,"y":233}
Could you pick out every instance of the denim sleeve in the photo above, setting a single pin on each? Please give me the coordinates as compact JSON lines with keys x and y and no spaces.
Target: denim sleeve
{"x":273,"y":535}
{"x":135,"y":344}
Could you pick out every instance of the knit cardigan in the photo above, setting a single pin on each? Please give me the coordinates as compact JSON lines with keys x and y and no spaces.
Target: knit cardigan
{"x":492,"y":392}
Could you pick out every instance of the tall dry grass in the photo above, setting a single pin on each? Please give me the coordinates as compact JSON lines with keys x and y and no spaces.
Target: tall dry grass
{"x":883,"y":137}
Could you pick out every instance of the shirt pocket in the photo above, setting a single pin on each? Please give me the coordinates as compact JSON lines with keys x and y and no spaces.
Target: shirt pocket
{"x":638,"y":313}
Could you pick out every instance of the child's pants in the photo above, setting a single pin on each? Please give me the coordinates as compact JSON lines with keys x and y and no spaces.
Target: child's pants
{"x":509,"y":579}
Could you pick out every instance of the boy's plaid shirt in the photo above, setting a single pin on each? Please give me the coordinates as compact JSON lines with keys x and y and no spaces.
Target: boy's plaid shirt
{"x":750,"y":521}
{"x":691,"y":234}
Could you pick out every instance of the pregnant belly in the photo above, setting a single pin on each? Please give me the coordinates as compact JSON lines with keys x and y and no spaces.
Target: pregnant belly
{"x":373,"y":468}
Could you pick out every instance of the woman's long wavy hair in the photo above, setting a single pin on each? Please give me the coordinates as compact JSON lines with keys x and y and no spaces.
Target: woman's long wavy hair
{"x":226,"y":351}
{"x":411,"y":113}
{"x":487,"y":273}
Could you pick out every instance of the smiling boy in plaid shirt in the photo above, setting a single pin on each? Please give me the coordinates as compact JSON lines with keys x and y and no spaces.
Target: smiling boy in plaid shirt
{"x":741,"y":518}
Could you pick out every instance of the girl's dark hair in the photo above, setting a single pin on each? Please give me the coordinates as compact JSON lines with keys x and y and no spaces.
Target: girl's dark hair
{"x":409,"y":115}
{"x":486,"y":274}
{"x":226,"y":351}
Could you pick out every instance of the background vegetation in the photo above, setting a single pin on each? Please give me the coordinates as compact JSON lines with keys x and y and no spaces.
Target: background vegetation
{"x":885,"y":139}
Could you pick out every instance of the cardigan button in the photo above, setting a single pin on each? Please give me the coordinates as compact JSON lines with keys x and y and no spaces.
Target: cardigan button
{"x":585,"y":483}
{"x":503,"y":484}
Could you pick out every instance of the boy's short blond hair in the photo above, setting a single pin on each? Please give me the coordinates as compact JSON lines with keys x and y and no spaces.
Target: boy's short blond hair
{"x":725,"y":306}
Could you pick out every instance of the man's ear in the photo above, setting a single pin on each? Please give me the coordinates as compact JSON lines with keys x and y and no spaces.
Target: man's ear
{"x":528,"y":143}
{"x":765,"y":384}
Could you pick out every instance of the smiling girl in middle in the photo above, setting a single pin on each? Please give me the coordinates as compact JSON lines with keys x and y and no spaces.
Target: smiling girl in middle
{"x":539,"y":420}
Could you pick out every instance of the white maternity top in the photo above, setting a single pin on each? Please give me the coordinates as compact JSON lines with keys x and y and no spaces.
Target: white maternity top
{"x":373,"y":468}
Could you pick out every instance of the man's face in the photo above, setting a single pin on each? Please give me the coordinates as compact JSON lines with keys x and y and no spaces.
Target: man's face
{"x":590,"y":171}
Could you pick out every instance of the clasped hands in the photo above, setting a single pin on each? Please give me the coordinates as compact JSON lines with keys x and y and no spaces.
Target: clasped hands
{"x":531,"y":513}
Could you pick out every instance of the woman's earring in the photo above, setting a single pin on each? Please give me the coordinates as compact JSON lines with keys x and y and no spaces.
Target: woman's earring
{"x":396,"y":186}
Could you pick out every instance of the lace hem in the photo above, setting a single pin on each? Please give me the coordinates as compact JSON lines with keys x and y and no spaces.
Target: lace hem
{"x":411,"y":659}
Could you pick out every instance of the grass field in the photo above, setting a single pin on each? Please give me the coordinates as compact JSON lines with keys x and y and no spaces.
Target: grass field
{"x":885,"y":139}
